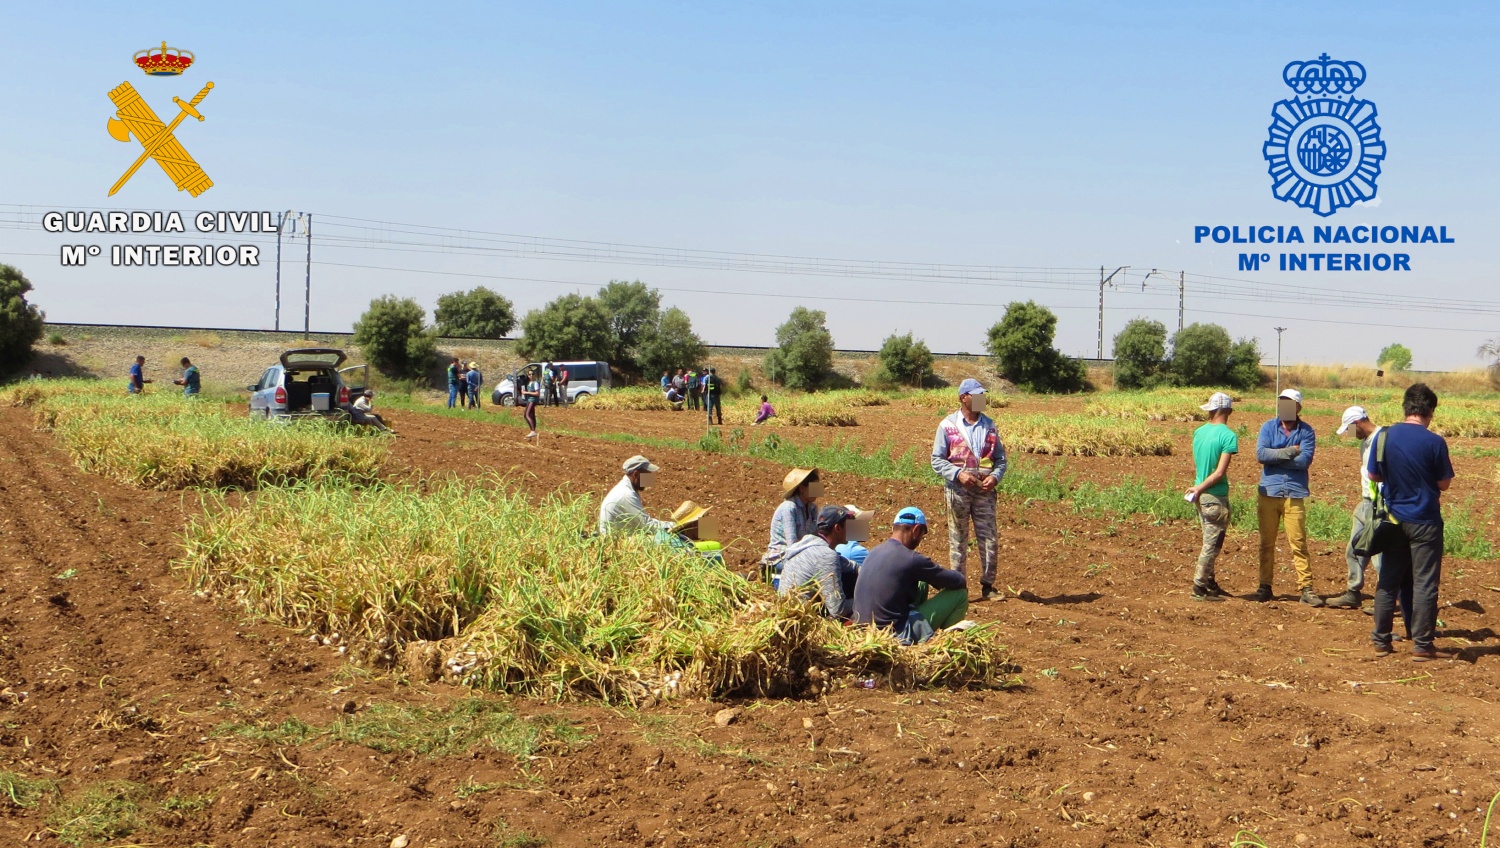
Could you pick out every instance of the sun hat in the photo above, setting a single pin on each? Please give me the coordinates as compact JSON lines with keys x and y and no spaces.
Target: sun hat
{"x":1351,"y":415}
{"x":970,"y":386}
{"x":473,"y":364}
{"x":1291,"y":394}
{"x":796,"y":477}
{"x":911,"y":515}
{"x":1218,"y":400}
{"x":686,"y":514}
{"x":639,"y":463}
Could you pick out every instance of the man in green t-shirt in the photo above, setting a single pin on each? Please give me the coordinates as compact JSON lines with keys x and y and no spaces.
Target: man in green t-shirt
{"x":1214,"y":444}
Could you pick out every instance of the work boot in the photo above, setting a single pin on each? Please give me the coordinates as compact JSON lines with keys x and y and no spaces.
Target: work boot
{"x":1216,"y":589}
{"x":1348,"y":600}
{"x":987,"y":592}
{"x":1310,"y":597}
{"x":1262,"y":594}
{"x":1204,"y":592}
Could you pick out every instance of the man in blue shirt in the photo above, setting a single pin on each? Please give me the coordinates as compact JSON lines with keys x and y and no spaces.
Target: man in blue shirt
{"x":1284,"y":451}
{"x":192,"y":381}
{"x":138,"y":379}
{"x":455,"y":378}
{"x":1412,"y":462}
{"x":891,"y":592}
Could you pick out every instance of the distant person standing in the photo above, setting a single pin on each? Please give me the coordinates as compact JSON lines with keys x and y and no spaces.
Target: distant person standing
{"x":666,"y":380}
{"x":1214,"y":445}
{"x":192,"y":381}
{"x":713,"y":392}
{"x":679,"y":382}
{"x":1413,"y":463}
{"x":968,"y":454}
{"x":456,"y":381}
{"x":138,"y":379}
{"x":562,"y":383}
{"x":531,"y":395}
{"x":474,"y":380}
{"x":694,"y":389}
{"x":1364,"y":512}
{"x":549,"y":384}
{"x":1285,"y":450}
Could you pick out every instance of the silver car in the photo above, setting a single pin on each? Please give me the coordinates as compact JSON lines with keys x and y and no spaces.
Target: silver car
{"x":308,"y":382}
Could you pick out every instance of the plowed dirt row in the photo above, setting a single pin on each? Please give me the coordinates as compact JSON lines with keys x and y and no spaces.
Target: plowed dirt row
{"x":1143,"y":718}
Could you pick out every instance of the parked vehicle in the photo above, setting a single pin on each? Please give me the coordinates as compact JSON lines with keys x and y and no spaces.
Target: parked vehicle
{"x":584,"y":379}
{"x":308,"y":382}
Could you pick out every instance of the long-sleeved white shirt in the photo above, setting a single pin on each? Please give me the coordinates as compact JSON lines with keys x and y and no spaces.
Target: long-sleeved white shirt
{"x":623,"y":510}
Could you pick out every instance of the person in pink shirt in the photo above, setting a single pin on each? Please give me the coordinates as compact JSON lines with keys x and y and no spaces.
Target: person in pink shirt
{"x":766,"y":411}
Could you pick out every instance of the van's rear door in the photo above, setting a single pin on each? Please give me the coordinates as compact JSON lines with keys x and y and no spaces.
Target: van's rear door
{"x":356,"y":379}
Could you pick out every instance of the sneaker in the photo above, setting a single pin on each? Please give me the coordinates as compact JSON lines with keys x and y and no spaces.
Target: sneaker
{"x":1262,"y":594}
{"x":531,"y":435}
{"x":1204,"y":592}
{"x":1348,"y":600}
{"x":1216,"y":589}
{"x":1384,"y":650}
{"x":990,"y":593}
{"x":1311,"y":598}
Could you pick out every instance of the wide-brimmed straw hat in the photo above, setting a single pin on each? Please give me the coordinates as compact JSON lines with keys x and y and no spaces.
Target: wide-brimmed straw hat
{"x":795,"y":478}
{"x":689,"y":512}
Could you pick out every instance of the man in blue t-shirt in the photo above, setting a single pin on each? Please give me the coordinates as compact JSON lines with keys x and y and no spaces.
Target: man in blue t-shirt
{"x":138,"y":379}
{"x":891,"y":592}
{"x":1413,"y":464}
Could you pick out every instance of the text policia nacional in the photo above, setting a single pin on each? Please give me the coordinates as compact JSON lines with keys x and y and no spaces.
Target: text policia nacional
{"x":182,"y":255}
{"x":1351,"y":258}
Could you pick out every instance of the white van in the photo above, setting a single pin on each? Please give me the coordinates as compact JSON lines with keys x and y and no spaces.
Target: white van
{"x":584,"y":379}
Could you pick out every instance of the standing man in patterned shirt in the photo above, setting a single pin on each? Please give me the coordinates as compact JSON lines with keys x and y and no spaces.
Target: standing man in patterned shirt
{"x":967,"y":453}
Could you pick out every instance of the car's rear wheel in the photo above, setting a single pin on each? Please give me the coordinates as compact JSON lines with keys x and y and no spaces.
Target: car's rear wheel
{"x":580,"y":396}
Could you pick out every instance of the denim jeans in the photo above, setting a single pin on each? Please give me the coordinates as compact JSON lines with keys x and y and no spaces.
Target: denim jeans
{"x":1412,"y":565}
{"x":452,"y":394}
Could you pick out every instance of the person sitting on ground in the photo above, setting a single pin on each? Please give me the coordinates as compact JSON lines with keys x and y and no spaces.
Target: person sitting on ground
{"x":891,"y":592}
{"x":622,"y":509}
{"x":794,"y":517}
{"x":363,"y":414}
{"x":766,"y":413}
{"x":675,"y":398}
{"x":812,"y":567}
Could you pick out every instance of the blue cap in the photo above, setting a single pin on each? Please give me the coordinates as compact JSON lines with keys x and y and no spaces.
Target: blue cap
{"x":970,"y":386}
{"x":910,"y":515}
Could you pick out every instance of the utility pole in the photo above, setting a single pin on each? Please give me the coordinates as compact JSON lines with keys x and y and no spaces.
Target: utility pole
{"x":1103,"y":281}
{"x":307,"y":296}
{"x":1181,"y":292}
{"x":280,"y":219}
{"x":1279,"y":331}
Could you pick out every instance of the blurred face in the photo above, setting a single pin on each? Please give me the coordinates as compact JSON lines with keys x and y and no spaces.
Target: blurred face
{"x":974,"y":403}
{"x":645,"y":479}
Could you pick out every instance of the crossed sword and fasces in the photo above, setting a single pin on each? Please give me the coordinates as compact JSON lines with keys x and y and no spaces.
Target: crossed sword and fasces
{"x":134,"y":117}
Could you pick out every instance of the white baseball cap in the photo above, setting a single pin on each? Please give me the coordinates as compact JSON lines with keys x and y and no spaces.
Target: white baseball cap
{"x":1351,"y":415}
{"x":1218,"y":400}
{"x":1291,"y":394}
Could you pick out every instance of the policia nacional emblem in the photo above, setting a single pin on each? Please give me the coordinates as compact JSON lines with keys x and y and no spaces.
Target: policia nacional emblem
{"x":1325,"y":149}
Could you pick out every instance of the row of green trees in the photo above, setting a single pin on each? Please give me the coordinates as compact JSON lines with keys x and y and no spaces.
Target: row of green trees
{"x":1199,"y":355}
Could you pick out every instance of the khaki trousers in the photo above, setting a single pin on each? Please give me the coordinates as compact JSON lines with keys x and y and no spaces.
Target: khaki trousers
{"x":1273,"y":512}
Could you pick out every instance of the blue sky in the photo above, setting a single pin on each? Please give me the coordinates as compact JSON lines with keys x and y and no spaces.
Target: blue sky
{"x":1044,"y":135}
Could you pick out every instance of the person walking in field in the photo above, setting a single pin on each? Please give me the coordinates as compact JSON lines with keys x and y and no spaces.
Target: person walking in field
{"x":531,"y":395}
{"x":893,"y":585}
{"x":1364,"y":512}
{"x":473,"y":380}
{"x":968,"y":454}
{"x":1284,"y":450}
{"x":812,"y":567}
{"x":713,"y":395}
{"x":192,"y":380}
{"x":622,"y":510}
{"x":794,"y":517}
{"x":455,"y":381}
{"x":1413,"y":464}
{"x":1214,"y":445}
{"x":138,"y":379}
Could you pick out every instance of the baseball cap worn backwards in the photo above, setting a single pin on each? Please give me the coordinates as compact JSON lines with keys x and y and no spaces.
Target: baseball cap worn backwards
{"x":1351,"y":415}
{"x":911,"y":515}
{"x":970,"y":386}
{"x":1218,"y":400}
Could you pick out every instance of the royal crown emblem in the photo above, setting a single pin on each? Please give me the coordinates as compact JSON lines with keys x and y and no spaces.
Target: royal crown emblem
{"x":1325,"y":148}
{"x":164,"y":61}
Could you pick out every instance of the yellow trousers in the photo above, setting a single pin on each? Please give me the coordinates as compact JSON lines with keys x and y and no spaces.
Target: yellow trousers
{"x":1272,"y":512}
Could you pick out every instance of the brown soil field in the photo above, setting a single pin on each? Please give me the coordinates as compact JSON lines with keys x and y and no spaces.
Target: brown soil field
{"x":1141,"y":718}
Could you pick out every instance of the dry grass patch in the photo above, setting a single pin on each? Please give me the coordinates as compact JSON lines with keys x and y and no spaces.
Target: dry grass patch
{"x":1082,"y":435}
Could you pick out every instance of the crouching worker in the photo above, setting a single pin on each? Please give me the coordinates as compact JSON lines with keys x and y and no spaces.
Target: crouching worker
{"x":893,"y":585}
{"x":675,"y":398}
{"x":364,"y":415}
{"x":813,"y":569}
{"x":622,"y":509}
{"x":694,"y":529}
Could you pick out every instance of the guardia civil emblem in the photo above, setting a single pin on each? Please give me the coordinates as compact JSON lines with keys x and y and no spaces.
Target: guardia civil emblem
{"x":1325,"y":149}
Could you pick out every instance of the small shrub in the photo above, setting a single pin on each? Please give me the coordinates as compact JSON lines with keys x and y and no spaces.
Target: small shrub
{"x":56,"y":339}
